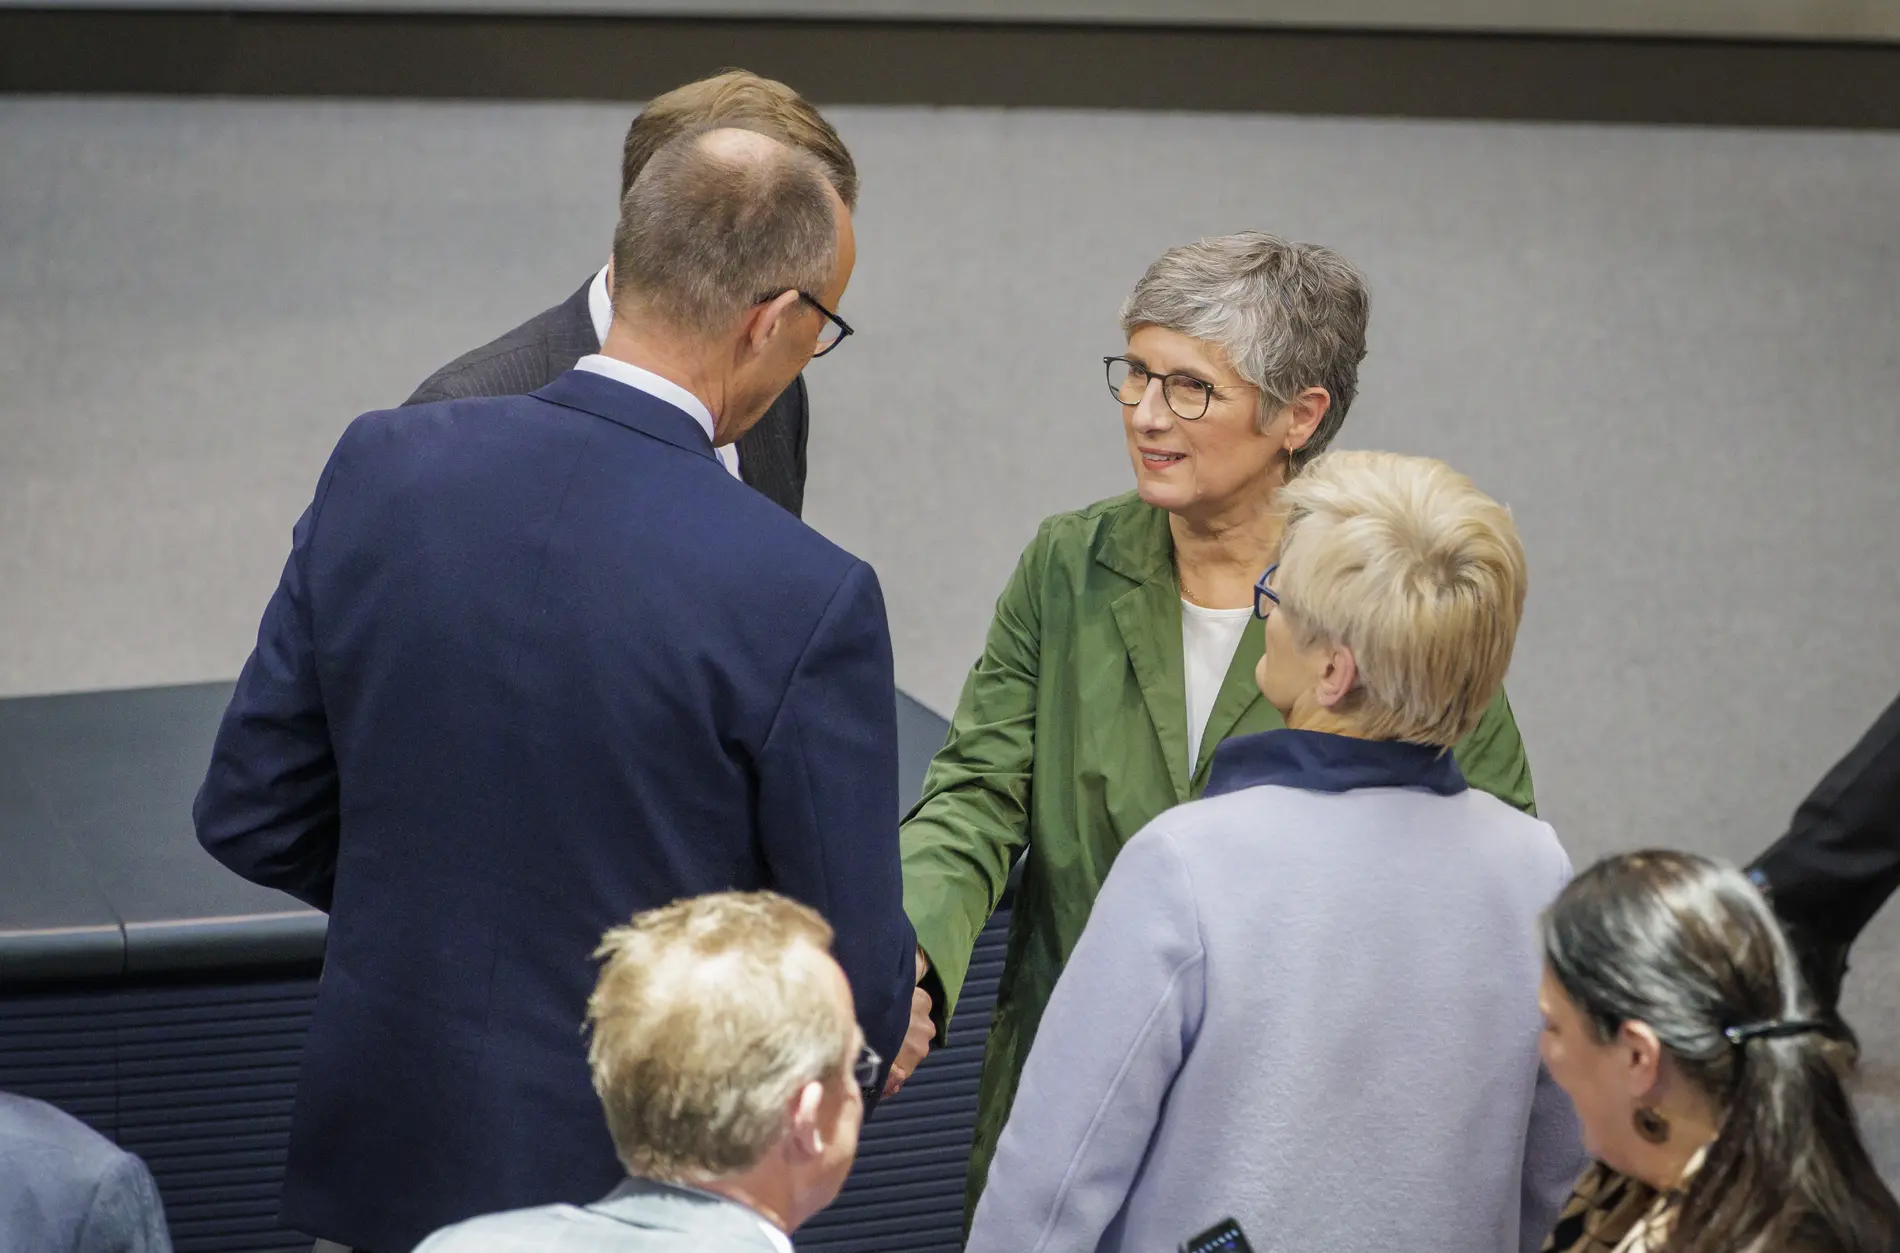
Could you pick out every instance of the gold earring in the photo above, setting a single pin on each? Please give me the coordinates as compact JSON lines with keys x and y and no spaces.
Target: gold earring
{"x":1652,"y":1124}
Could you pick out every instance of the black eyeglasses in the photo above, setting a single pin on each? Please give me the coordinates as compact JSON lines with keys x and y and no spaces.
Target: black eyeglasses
{"x":1264,"y":597}
{"x":831,"y":334}
{"x":1187,"y":396}
{"x":865,"y":1069}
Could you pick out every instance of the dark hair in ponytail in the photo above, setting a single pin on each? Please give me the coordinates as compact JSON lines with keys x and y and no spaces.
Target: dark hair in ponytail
{"x":1689,"y":947}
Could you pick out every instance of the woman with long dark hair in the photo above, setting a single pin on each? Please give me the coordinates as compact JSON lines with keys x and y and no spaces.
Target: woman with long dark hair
{"x":1676,"y":1019}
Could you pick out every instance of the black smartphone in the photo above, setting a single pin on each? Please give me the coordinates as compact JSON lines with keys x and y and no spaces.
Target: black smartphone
{"x":1223,"y":1237}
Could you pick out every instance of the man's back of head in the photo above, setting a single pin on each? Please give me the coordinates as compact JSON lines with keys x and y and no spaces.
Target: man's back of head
{"x":731,"y":251}
{"x":716,"y":220}
{"x":726,"y":1055}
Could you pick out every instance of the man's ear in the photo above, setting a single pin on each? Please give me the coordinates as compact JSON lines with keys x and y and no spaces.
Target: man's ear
{"x":769,"y":319}
{"x":1639,"y":1056}
{"x":1342,"y":671}
{"x":1307,"y":411}
{"x":807,"y":1127}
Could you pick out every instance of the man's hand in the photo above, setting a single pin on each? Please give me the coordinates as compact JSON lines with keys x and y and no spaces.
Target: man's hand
{"x":917,"y":1039}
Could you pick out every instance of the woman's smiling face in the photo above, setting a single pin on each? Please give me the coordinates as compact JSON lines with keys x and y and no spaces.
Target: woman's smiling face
{"x":1203,"y":464}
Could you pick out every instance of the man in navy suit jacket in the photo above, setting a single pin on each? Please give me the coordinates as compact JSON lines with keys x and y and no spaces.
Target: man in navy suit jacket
{"x":537,"y":663}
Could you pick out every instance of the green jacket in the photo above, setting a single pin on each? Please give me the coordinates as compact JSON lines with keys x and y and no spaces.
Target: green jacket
{"x":1070,"y":735}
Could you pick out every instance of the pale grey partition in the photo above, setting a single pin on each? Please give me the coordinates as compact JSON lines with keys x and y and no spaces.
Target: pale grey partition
{"x":1675,"y":352}
{"x":1833,"y":20}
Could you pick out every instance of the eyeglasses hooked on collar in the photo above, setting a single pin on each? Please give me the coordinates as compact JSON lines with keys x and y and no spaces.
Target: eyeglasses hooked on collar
{"x":1264,"y":597}
{"x":831,"y":334}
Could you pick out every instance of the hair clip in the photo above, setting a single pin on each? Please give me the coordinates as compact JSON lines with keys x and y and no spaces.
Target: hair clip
{"x":1744,"y":1032}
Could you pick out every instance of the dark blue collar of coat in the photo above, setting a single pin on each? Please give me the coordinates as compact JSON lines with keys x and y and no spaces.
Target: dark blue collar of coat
{"x":629,"y":407}
{"x":1318,"y":761}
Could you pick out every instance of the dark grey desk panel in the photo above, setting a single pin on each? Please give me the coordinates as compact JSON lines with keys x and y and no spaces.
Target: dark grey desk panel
{"x":114,"y":773}
{"x":55,"y":922}
{"x":100,"y":872}
{"x":52,"y":916}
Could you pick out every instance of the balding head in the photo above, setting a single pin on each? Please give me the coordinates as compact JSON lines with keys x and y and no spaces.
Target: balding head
{"x":718,"y":221}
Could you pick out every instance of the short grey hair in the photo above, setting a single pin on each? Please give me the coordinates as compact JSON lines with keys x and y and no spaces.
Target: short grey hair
{"x":1286,"y":316}
{"x":718,"y":220}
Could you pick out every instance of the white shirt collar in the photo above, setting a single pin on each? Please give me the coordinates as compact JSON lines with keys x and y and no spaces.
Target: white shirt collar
{"x":600,"y":307}
{"x":652,"y":384}
{"x":780,"y":1241}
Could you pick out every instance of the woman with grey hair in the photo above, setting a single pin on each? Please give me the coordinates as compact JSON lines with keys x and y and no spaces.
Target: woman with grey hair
{"x":1308,"y":1000}
{"x":1118,"y":659}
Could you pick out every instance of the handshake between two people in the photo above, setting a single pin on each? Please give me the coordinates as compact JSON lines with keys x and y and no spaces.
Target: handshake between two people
{"x":917,"y":1039}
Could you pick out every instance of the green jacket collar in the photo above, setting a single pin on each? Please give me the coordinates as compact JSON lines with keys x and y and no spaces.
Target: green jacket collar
{"x":1135,"y":542}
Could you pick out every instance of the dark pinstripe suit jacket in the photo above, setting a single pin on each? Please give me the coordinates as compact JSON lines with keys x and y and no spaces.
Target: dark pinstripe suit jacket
{"x":546,"y":346}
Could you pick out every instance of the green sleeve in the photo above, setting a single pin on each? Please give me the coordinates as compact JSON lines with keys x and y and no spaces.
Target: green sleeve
{"x":962,"y":837}
{"x":1492,"y":757}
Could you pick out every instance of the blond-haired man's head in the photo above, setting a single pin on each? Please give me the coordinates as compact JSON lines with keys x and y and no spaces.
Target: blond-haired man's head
{"x":1400,"y":586}
{"x":724,"y":1045}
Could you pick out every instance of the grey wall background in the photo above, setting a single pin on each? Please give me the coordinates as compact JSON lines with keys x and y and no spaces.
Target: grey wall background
{"x":1721,"y":19}
{"x":1675,"y":352}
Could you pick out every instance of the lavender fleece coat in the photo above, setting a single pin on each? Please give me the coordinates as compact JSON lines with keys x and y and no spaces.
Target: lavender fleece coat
{"x":1309,"y":1002}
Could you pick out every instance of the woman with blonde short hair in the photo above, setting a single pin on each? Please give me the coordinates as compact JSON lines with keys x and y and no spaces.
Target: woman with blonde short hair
{"x":1309,"y":1000}
{"x":1120,"y":657}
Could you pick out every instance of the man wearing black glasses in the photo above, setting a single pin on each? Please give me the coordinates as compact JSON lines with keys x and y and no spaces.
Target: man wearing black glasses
{"x":770,"y":457}
{"x":537,"y":663}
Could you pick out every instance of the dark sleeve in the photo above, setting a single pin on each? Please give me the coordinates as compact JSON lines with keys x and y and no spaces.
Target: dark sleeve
{"x":268,"y":806}
{"x":1840,"y":859}
{"x":828,"y":803}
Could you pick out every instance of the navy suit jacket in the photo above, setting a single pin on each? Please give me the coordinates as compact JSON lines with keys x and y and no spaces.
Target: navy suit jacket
{"x":537,"y":663}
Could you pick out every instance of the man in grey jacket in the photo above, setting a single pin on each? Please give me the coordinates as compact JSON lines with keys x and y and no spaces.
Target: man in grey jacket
{"x":727,"y":1056}
{"x":64,"y":1186}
